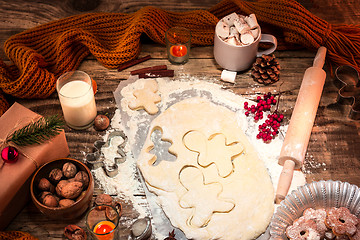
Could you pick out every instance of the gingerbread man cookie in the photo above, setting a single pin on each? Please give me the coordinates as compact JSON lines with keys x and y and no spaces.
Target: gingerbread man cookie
{"x":202,"y":198}
{"x":146,"y":98}
{"x":214,"y":150}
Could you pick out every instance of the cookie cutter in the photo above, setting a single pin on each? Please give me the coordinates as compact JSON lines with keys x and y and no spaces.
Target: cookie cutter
{"x":96,"y":159}
{"x":348,"y":80}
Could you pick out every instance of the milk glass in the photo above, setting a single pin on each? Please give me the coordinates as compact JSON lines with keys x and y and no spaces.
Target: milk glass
{"x":77,"y":99}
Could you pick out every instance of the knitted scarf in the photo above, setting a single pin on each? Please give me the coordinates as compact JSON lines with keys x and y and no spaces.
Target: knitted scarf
{"x":41,"y":54}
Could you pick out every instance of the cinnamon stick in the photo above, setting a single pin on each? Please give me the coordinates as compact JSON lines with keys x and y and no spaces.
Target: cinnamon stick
{"x":157,"y":74}
{"x":148,"y":69}
{"x":133,"y":62}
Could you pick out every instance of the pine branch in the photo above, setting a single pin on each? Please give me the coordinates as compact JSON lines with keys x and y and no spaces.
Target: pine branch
{"x":38,"y":132}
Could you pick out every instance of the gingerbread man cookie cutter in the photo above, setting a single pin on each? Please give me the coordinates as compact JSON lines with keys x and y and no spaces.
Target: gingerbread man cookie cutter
{"x":347,"y":77}
{"x":96,"y":159}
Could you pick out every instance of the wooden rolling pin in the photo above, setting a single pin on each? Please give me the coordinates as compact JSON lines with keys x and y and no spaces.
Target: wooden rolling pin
{"x":297,"y":137}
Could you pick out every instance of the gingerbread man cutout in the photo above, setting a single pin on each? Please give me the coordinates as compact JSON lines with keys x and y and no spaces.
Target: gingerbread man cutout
{"x":146,"y":98}
{"x":214,"y":150}
{"x":202,"y":198}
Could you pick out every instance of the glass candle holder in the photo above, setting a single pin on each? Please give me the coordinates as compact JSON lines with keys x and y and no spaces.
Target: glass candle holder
{"x":102,"y":222}
{"x":178,"y":41}
{"x":77,"y":99}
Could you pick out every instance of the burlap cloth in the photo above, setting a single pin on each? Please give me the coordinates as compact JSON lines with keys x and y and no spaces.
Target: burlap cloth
{"x":41,"y":54}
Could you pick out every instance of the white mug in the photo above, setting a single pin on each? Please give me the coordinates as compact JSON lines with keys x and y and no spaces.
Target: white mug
{"x":240,"y":58}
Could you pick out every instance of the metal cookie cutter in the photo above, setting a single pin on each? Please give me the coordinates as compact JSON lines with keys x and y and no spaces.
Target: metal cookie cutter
{"x":96,"y":159}
{"x":349,"y":92}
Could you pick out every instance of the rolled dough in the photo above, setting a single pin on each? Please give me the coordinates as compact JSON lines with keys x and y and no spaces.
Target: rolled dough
{"x":242,"y":204}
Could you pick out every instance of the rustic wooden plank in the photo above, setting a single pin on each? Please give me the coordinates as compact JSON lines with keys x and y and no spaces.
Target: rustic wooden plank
{"x":333,"y":149}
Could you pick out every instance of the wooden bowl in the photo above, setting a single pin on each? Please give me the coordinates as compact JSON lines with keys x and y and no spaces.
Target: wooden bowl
{"x":66,"y":213}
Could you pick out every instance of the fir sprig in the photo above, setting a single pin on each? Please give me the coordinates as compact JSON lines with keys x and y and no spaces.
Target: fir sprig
{"x":38,"y":132}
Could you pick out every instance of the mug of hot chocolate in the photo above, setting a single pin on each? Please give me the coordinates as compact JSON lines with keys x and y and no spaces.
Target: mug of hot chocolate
{"x":236,"y":42}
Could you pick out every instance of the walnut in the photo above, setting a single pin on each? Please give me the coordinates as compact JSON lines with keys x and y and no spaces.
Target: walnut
{"x":66,"y":202}
{"x":69,"y":170}
{"x":71,"y":190}
{"x":50,"y":201}
{"x":45,"y":185}
{"x":55,"y":175}
{"x":74,"y":232}
{"x":103,"y":199}
{"x":83,"y":177}
{"x":42,"y":195}
{"x":60,"y":186}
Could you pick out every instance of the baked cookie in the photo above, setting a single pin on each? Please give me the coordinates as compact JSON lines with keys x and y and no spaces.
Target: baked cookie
{"x":146,"y":98}
{"x":303,"y":229}
{"x":341,"y":221}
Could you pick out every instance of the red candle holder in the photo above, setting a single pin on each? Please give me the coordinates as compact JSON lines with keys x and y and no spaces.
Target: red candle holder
{"x":178,"y":41}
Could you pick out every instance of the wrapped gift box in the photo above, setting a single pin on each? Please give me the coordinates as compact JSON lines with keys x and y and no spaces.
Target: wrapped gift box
{"x":15,"y":177}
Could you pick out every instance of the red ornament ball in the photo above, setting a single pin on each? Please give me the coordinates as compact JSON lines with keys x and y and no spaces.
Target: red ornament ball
{"x":10,"y":154}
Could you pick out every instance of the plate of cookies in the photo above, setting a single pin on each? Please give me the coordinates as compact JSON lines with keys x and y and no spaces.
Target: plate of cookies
{"x":318,"y":210}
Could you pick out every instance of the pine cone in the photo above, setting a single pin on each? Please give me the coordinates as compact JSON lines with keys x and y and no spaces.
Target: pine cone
{"x":266,"y":69}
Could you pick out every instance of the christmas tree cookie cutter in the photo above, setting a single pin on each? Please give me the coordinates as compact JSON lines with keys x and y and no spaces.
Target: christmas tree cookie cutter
{"x":347,"y":77}
{"x":96,"y":159}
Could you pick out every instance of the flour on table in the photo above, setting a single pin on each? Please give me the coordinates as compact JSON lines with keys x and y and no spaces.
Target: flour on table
{"x":136,"y":124}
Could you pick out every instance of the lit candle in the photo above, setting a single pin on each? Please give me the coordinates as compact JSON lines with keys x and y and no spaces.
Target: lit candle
{"x":77,"y":99}
{"x":178,"y":41}
{"x":178,"y":50}
{"x":104,"y":230}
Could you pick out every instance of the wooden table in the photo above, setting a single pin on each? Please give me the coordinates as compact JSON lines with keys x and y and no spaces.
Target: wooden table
{"x":333,"y":151}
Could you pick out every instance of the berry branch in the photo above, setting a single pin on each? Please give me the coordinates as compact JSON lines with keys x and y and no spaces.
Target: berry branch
{"x":270,"y":128}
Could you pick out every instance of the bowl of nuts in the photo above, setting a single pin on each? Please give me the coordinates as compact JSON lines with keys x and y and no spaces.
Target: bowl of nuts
{"x":62,"y":188}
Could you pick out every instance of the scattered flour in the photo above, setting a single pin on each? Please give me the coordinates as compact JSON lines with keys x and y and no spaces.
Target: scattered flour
{"x":135,"y":125}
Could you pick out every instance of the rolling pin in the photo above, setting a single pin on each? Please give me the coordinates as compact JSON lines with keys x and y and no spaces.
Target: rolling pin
{"x":297,"y":137}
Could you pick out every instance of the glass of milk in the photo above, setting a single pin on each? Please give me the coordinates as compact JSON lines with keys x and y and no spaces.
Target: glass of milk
{"x":77,"y":99}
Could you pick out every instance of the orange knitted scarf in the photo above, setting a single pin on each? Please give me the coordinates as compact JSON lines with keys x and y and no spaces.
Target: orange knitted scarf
{"x":43,"y":53}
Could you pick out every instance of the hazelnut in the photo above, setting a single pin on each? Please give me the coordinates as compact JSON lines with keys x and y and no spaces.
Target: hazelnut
{"x":45,"y":185}
{"x":74,"y":232}
{"x":103,"y":199}
{"x":60,"y":186}
{"x":83,"y":177}
{"x":55,"y":175}
{"x":50,"y":201}
{"x":71,"y":190}
{"x":101,"y":122}
{"x":66,"y":202}
{"x":69,"y":170}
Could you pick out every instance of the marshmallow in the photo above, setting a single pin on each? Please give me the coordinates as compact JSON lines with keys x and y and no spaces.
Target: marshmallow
{"x":241,"y":25}
{"x":229,"y":19}
{"x":247,"y":38}
{"x":251,"y":21}
{"x":228,"y":76}
{"x":222,"y":29}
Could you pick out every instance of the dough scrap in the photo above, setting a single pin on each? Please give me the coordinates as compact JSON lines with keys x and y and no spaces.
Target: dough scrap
{"x":249,"y":186}
{"x":146,"y":98}
{"x":203,"y":198}
{"x":214,"y":150}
